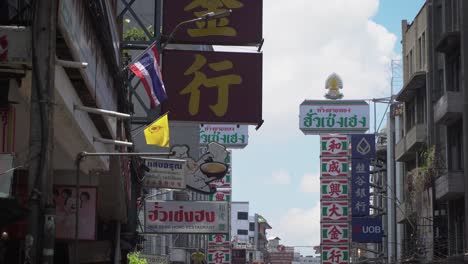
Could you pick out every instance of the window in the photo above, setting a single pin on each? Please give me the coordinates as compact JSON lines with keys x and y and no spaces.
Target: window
{"x":242,"y":216}
{"x":455,"y":147}
{"x":420,"y":54}
{"x":454,"y":74}
{"x":423,"y":51}
{"x":410,"y":64}
{"x":251,"y":226}
{"x":242,"y":232}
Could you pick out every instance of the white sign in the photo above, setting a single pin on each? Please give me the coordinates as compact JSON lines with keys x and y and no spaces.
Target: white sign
{"x":231,"y":136}
{"x":186,"y":217}
{"x":337,"y":116}
{"x":165,"y":173}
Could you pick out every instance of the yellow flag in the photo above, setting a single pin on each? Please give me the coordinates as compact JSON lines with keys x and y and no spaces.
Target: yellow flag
{"x":157,"y":133}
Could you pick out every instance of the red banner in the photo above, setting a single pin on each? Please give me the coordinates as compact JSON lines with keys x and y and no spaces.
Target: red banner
{"x":213,"y":87}
{"x":242,"y":27}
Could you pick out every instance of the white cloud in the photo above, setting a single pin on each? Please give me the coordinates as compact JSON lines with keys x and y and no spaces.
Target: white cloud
{"x":305,"y":41}
{"x":299,"y":227}
{"x":280,"y":177}
{"x":310,"y":183}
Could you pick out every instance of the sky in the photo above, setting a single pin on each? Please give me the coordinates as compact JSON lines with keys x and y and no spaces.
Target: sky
{"x":306,"y":41}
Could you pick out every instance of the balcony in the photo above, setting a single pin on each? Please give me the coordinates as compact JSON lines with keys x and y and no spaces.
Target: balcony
{"x":448,"y":108}
{"x":417,"y":81}
{"x":450,"y":186}
{"x":449,"y":42}
{"x":407,"y":146}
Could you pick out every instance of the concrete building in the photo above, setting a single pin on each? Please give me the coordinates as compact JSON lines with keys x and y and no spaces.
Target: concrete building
{"x":84,"y":33}
{"x":428,"y":133}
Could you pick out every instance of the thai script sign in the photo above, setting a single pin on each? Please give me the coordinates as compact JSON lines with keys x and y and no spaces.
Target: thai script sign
{"x":219,"y":240}
{"x":231,"y":136}
{"x":213,"y":87}
{"x":367,"y":229}
{"x":186,"y":217}
{"x":334,"y":145}
{"x":221,"y":195}
{"x":243,"y":26}
{"x":219,"y":256}
{"x":363,"y":146}
{"x":334,"y":189}
{"x":334,"y":211}
{"x":165,"y":173}
{"x":360,"y":187}
{"x":341,"y":116}
{"x":155,"y":259}
{"x":335,"y":233}
{"x":335,"y":254}
{"x":334,"y":167}
{"x":66,"y":205}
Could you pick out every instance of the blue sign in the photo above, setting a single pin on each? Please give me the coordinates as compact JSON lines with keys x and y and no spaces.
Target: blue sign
{"x":363,"y":146}
{"x":360,"y":187}
{"x":367,"y":230}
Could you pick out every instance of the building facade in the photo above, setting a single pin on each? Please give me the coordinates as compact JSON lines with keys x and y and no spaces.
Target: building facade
{"x":427,"y":129}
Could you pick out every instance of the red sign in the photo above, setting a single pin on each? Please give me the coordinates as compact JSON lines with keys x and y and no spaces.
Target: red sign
{"x":243,"y":26}
{"x":213,"y":87}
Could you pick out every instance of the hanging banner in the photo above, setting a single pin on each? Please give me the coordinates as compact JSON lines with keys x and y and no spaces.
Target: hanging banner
{"x":219,"y":240}
{"x":334,"y":116}
{"x":186,"y":217}
{"x":219,"y":256}
{"x":360,"y":186}
{"x":334,"y":167}
{"x":221,"y":195}
{"x":333,"y":211}
{"x":367,"y":229}
{"x":213,"y":87}
{"x":334,"y":145}
{"x":363,"y":146}
{"x":335,"y":233}
{"x":335,"y":254}
{"x":231,"y":136}
{"x":165,"y":173}
{"x":242,"y":27}
{"x":334,"y":189}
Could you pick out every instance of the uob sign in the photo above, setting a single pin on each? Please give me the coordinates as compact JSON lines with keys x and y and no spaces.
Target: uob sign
{"x":367,"y":230}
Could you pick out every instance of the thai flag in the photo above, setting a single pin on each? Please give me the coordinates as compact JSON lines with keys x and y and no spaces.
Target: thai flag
{"x":146,"y":68}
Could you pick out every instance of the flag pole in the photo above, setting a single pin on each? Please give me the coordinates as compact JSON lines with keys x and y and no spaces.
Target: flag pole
{"x":139,"y":55}
{"x":141,"y":129}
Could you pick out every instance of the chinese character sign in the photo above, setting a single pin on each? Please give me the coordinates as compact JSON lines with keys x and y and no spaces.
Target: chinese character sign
{"x":219,"y":256}
{"x":219,"y":240}
{"x":334,"y":167}
{"x":334,"y":211}
{"x":363,"y":146}
{"x":335,"y":254}
{"x":334,"y":189}
{"x":208,"y":87}
{"x":341,"y":116}
{"x":333,"y":145}
{"x":221,"y":195}
{"x":360,"y":187}
{"x":335,"y":233}
{"x":242,"y":27}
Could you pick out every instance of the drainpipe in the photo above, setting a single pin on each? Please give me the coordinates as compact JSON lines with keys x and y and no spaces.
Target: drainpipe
{"x":464,"y":58}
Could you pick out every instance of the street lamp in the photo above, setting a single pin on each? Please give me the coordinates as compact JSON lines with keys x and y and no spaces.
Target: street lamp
{"x":205,"y":17}
{"x":79,"y":158}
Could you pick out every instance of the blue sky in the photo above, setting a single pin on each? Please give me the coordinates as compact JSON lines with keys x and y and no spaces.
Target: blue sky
{"x":278,"y":171}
